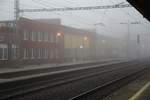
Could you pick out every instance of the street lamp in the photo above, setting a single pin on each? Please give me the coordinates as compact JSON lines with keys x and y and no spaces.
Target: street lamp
{"x":58,"y":41}
{"x":128,"y":34}
{"x":85,"y":38}
{"x":58,"y":34}
{"x":85,"y":46}
{"x":81,"y":46}
{"x":102,"y":25}
{"x":103,"y":41}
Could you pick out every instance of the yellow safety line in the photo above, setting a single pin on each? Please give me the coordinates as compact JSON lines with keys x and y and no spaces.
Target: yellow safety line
{"x":134,"y":97}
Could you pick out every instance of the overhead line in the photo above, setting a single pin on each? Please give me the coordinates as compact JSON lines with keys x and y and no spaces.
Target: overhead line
{"x":76,"y":8}
{"x":127,"y":13}
{"x":81,"y":21}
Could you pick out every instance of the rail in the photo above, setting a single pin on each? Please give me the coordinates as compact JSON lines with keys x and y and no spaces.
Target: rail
{"x":48,"y":80}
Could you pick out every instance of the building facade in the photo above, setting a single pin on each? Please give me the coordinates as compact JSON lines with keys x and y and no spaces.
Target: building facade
{"x":8,"y":44}
{"x":38,"y":42}
{"x":34,"y":43}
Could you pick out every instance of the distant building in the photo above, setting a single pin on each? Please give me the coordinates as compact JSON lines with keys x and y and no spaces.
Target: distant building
{"x":40,"y":42}
{"x":47,"y":41}
{"x":56,"y":21}
{"x":8,"y":44}
{"x":8,"y":23}
{"x":35,"y":42}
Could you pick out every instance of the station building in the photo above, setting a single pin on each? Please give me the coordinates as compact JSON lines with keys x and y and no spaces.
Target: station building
{"x":34,"y":42}
{"x":40,"y":41}
{"x":8,"y":43}
{"x":48,"y":41}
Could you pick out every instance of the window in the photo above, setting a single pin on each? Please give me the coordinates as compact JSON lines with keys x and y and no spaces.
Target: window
{"x":56,"y":53}
{"x":51,"y":53}
{"x":42,"y":52}
{"x":33,"y":36}
{"x":57,"y":39}
{"x":36,"y":53}
{"x":3,"y":52}
{"x":26,"y":53}
{"x":25,"y":35}
{"x":46,"y":37}
{"x":45,"y":53}
{"x":2,"y":38}
{"x":51,"y":38}
{"x":14,"y":51}
{"x":32,"y":53}
{"x":40,"y":36}
{"x":39,"y":51}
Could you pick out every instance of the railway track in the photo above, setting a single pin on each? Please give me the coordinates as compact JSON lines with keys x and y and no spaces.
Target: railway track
{"x":99,"y":92}
{"x":27,"y":88}
{"x":33,"y":71}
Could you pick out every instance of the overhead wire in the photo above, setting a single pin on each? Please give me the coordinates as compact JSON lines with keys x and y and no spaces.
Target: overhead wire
{"x":87,"y":12}
{"x":69,"y":2}
{"x":102,"y":18}
{"x":140,"y":19}
{"x":82,"y":12}
{"x":7,"y":10}
{"x":31,"y":6}
{"x":44,"y":5}
{"x":80,"y":21}
{"x":85,"y":22}
{"x":48,"y":7}
{"x":133,"y":17}
{"x":104,"y":13}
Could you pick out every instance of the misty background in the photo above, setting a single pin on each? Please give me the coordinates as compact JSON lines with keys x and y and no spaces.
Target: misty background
{"x":109,"y":20}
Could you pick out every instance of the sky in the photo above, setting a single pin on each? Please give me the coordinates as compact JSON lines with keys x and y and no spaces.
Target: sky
{"x":110,"y":18}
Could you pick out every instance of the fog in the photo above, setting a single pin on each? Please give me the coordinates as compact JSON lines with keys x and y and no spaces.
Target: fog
{"x":110,"y":19}
{"x":73,"y":50}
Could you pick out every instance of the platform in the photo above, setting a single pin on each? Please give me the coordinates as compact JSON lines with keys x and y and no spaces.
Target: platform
{"x":136,"y":90}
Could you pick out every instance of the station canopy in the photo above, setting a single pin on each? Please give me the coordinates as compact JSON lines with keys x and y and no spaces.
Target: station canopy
{"x":142,"y":6}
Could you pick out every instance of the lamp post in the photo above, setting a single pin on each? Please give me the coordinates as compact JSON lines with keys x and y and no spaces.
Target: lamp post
{"x":128,"y":35}
{"x":96,"y":47}
{"x":58,"y":36}
{"x":58,"y":39}
{"x":85,"y":45}
{"x":139,"y":47}
{"x":127,"y":38}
